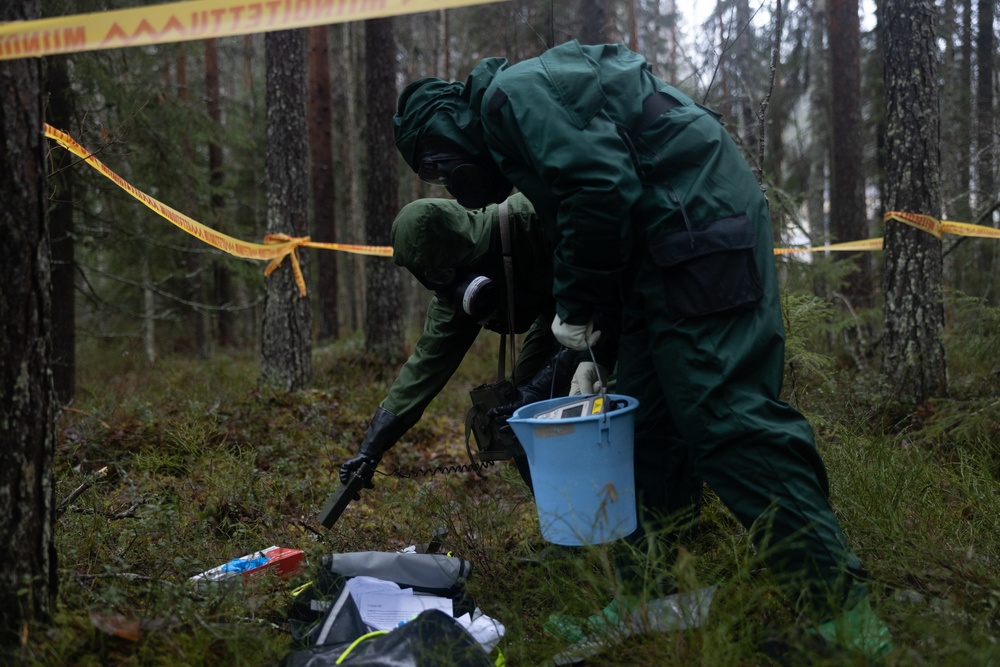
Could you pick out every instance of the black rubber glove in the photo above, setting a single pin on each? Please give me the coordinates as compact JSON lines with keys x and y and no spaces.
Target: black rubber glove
{"x":550,"y":381}
{"x":384,"y":431}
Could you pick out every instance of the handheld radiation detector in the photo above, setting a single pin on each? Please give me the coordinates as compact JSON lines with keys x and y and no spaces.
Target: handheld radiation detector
{"x":585,"y":407}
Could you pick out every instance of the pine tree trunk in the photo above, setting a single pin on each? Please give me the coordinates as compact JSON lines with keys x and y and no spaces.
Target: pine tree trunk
{"x":198,"y":319}
{"x":743,"y":45}
{"x":848,"y":219}
{"x":986,"y":137}
{"x":913,"y":357}
{"x":286,"y":341}
{"x":27,"y":394}
{"x":225,"y":297}
{"x":148,"y":309}
{"x":354,"y":270}
{"x":956,"y":135}
{"x":593,"y":22}
{"x":383,"y":321}
{"x":61,"y":112}
{"x":321,"y":174}
{"x":819,"y":128}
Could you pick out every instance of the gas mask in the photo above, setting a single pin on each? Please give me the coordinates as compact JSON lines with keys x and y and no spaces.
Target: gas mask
{"x":472,"y":183}
{"x":476,"y":295}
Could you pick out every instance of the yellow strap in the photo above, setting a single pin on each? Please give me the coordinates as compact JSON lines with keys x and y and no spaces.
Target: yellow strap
{"x":358,"y":641}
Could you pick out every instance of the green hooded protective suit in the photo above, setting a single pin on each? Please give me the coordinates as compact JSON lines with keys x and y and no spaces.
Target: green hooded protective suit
{"x":658,"y":220}
{"x":432,"y":234}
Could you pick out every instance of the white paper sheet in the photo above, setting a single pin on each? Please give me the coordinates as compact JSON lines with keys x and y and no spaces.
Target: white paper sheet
{"x":386,"y":611}
{"x":361,"y":586}
{"x":485,"y":630}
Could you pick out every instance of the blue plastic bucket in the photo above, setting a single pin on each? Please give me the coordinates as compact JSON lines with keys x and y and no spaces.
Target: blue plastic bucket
{"x":581,"y":470}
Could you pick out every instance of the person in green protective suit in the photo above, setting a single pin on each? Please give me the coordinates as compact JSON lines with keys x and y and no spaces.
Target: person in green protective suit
{"x":457,"y":253}
{"x":658,"y":224}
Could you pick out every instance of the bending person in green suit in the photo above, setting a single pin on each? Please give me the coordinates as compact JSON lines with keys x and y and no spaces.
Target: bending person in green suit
{"x":658,"y":224}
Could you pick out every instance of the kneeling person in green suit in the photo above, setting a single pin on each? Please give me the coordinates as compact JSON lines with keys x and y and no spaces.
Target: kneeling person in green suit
{"x":457,"y":253}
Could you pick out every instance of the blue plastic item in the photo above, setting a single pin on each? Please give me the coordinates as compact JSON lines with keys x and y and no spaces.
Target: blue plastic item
{"x":581,"y":470}
{"x":243,"y":564}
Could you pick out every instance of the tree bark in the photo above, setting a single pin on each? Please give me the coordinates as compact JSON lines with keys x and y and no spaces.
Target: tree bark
{"x":286,"y":339}
{"x":819,"y":142}
{"x":913,"y":358}
{"x":383,"y":322}
{"x":743,"y":44}
{"x":61,"y":110}
{"x":321,"y":174}
{"x":986,"y":136}
{"x":225,"y":292}
{"x":199,"y":322}
{"x":848,"y":218}
{"x":593,"y":22}
{"x":27,"y":394}
{"x":353,"y":228}
{"x":956,"y":135}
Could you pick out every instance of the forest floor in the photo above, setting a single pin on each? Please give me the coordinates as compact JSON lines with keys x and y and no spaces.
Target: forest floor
{"x":202,"y":466}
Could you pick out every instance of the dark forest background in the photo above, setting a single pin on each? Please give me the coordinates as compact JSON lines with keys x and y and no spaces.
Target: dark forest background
{"x":166,"y":407}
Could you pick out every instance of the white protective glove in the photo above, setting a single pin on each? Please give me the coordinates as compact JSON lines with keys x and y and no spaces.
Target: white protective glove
{"x":589,"y":378}
{"x":574,"y":336}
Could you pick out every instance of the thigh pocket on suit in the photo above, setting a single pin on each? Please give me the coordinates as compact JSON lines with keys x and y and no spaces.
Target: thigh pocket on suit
{"x":710,"y":268}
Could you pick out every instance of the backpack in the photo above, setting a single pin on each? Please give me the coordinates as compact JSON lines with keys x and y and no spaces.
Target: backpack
{"x":328,"y":629}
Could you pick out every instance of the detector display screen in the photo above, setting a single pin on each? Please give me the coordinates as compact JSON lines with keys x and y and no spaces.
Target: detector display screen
{"x":584,"y":407}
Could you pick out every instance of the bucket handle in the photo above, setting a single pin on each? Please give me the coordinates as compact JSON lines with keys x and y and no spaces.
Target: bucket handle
{"x":604,"y":388}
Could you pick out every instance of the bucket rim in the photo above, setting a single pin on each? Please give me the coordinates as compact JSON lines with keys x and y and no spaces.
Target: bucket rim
{"x":551,"y":403}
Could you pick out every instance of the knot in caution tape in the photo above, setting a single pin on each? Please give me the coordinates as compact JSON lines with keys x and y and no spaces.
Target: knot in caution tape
{"x":292,"y":244}
{"x":274,"y":248}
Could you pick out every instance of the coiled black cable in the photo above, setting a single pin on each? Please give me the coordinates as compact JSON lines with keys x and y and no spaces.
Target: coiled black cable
{"x":441,"y":470}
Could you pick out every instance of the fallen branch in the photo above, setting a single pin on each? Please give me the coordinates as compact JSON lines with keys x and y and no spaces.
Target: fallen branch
{"x":61,"y":508}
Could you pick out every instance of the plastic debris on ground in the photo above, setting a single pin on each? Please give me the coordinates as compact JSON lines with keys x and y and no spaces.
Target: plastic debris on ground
{"x":682,"y":611}
{"x":276,"y":560}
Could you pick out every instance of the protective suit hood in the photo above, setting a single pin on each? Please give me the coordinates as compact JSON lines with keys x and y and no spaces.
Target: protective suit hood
{"x":439,"y":234}
{"x":432,"y":107}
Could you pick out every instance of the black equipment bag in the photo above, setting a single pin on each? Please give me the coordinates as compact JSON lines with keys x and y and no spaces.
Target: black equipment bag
{"x":326,"y":625}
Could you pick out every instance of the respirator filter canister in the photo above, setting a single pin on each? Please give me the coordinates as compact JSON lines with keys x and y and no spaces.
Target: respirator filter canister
{"x":479,"y":297}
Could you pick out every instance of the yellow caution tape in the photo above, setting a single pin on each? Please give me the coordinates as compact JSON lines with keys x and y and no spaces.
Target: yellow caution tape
{"x":867,"y":244}
{"x":194,"y":19}
{"x":275,"y":247}
{"x":918,"y":220}
{"x":278,"y":246}
{"x":968,"y":229}
{"x":924,"y":222}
